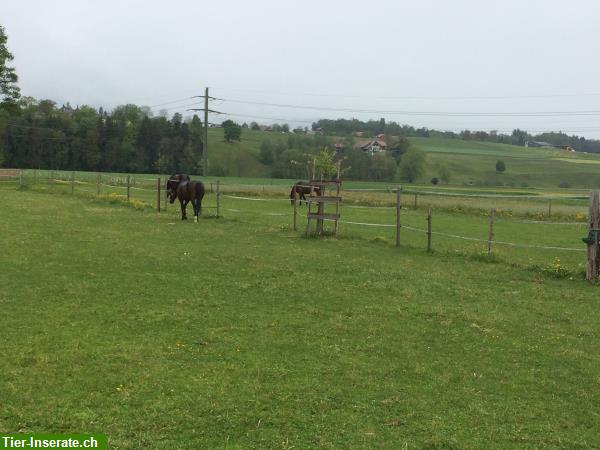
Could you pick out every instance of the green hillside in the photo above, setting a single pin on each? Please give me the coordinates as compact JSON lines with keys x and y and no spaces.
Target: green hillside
{"x":474,"y":162}
{"x":469,"y":162}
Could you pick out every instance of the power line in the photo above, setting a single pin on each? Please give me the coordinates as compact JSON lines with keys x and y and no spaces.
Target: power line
{"x":186,"y":99}
{"x":413,"y":97}
{"x":424,"y":113}
{"x":280,"y":119}
{"x":174,"y":108}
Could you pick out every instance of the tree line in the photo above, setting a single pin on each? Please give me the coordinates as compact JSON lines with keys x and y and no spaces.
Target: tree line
{"x":516,"y":137}
{"x":39,"y":134}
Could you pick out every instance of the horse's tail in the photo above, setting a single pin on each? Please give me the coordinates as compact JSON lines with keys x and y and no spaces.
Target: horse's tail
{"x":199,"y":194}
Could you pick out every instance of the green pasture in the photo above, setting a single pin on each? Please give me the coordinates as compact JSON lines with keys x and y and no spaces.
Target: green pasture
{"x":239,"y":333}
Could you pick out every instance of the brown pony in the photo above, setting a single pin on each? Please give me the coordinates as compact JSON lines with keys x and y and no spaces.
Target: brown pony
{"x":180,"y":186}
{"x":301,"y":189}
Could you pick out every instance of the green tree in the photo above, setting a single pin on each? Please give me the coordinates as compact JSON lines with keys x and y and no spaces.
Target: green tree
{"x":232,"y":131}
{"x":412,"y":165}
{"x":500,"y":166}
{"x":9,"y":91}
{"x":382,"y":167}
{"x":325,"y":167}
{"x":266,"y":152}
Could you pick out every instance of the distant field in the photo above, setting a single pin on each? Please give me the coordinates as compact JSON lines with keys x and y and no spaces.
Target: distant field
{"x":240,"y":333}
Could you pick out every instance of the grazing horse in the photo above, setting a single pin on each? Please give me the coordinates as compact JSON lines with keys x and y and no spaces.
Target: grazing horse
{"x":302,"y":188}
{"x":180,"y":186}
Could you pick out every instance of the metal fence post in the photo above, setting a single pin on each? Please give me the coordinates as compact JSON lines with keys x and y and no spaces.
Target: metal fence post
{"x":429,"y":230}
{"x":491,"y":232}
{"x":128,"y":189}
{"x":398,"y":225}
{"x":218,"y":198}
{"x":158,"y":194}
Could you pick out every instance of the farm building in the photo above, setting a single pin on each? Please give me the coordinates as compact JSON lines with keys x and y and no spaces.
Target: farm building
{"x":372,"y":146}
{"x":541,"y":144}
{"x":538,"y":144}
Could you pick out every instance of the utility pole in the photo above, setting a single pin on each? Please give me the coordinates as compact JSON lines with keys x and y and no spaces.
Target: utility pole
{"x":205,"y":147}
{"x":206,"y":98}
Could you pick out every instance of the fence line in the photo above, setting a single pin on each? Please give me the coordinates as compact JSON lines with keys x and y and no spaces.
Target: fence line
{"x":381,"y":225}
{"x":539,"y":222}
{"x":459,"y":194}
{"x":466,"y":238}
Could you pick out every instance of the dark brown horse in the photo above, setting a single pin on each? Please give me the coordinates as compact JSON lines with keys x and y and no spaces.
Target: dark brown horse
{"x":301,"y":189}
{"x":180,"y":186}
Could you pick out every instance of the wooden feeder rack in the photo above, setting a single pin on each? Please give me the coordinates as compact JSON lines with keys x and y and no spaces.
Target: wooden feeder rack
{"x":321,"y":200}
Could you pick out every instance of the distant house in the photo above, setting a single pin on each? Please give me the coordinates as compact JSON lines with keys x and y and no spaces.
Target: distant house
{"x":358,"y":133}
{"x":371,"y":147}
{"x":265,"y":128}
{"x":568,"y":148}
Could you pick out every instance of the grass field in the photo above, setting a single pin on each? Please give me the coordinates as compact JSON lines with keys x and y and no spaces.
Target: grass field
{"x":239,"y":333}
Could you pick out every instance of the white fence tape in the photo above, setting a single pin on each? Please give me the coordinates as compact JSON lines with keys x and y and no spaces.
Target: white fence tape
{"x":467,"y":238}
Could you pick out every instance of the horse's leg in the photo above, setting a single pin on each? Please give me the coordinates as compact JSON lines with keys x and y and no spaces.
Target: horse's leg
{"x":183,"y":204}
{"x":195,"y":205}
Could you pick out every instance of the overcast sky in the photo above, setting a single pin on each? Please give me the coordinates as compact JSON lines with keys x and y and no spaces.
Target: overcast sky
{"x":461,"y":56}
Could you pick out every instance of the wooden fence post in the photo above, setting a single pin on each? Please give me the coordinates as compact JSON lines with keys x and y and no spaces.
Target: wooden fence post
{"x":429,"y":230}
{"x":591,"y":273}
{"x":98,"y":184}
{"x":398,"y":225}
{"x":21,"y":177}
{"x":128,"y":189}
{"x":73,"y":182}
{"x":491,"y":232}
{"x":295,"y":211}
{"x":34,"y":176}
{"x":549,"y":207}
{"x":218,"y":197}
{"x":158,"y":194}
{"x":416,"y":200}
